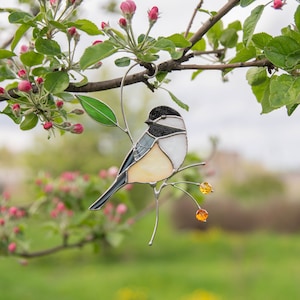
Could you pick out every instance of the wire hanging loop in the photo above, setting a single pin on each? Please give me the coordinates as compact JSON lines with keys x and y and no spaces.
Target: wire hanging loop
{"x":127,"y":131}
{"x":153,"y":70}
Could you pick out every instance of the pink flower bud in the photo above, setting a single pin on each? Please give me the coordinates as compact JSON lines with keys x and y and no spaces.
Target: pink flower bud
{"x":16,"y":109}
{"x":24,"y":48}
{"x":123,"y":22}
{"x":48,"y":125}
{"x":77,"y":128}
{"x":121,"y":209}
{"x":16,"y":230}
{"x":277,"y":4}
{"x":39,"y":80}
{"x":97,"y":42}
{"x":103,"y":174}
{"x":24,"y":86}
{"x":60,"y":206}
{"x":2,"y":222}
{"x":128,"y":8}
{"x":104,"y":25}
{"x":22,"y":73}
{"x":153,"y":14}
{"x":108,"y":208}
{"x":53,"y":2}
{"x":59,"y":104}
{"x":113,"y":171}
{"x":2,"y":90}
{"x":12,"y":211}
{"x":12,"y":247}
{"x":54,"y":213}
{"x":128,"y":187}
{"x":72,"y":31}
{"x":6,"y":195}
{"x":48,"y":188}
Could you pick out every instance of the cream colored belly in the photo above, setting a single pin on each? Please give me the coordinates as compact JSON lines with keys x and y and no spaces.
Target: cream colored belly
{"x":154,"y":166}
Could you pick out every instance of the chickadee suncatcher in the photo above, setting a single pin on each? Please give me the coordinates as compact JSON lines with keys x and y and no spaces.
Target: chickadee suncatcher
{"x":156,"y":156}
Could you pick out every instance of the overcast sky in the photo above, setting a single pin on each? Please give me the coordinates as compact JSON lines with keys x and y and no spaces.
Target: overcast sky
{"x":228,"y":110}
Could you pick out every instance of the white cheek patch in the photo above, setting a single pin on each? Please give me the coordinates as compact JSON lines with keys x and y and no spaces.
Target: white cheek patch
{"x":175,"y":147}
{"x":172,"y":122}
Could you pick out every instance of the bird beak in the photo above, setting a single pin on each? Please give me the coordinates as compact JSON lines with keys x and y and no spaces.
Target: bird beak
{"x":149,"y":122}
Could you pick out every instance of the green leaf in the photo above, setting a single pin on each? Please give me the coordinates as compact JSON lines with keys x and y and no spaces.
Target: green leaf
{"x":6,"y":73}
{"x":199,"y":46}
{"x":96,"y":53}
{"x":31,"y":58}
{"x":56,"y":82}
{"x":98,"y":110}
{"x":147,"y":57}
{"x":195,"y":74}
{"x":256,"y":75}
{"x":244,"y":54}
{"x":293,"y":60}
{"x":179,"y":40}
{"x":260,"y":90}
{"x":245,"y":3}
{"x":161,"y":75}
{"x":86,"y":26}
{"x":279,"y":48}
{"x":297,"y":17}
{"x":164,"y":44}
{"x":250,"y":24}
{"x":29,"y":122}
{"x":19,"y":17}
{"x":122,"y":62}
{"x":8,"y":111}
{"x":284,"y":90}
{"x":235,"y":25}
{"x":58,"y":25}
{"x":214,"y":34}
{"x":291,"y":108}
{"x":68,"y":97}
{"x":260,"y":40}
{"x":18,"y":35}
{"x":178,"y":102}
{"x":229,"y":38}
{"x":114,"y":238}
{"x":47,"y":47}
{"x":6,"y":54}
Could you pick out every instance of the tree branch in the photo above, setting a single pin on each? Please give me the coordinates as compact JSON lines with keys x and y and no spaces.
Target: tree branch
{"x":210,"y":22}
{"x":53,"y":250}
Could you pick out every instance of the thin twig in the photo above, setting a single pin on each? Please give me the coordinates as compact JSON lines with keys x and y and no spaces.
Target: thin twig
{"x":210,"y":22}
{"x":192,"y":18}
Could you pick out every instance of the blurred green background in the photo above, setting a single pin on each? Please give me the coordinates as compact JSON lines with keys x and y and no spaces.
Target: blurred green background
{"x":248,"y":249}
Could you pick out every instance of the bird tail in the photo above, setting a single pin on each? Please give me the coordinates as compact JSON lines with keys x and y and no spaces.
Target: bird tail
{"x":118,"y":183}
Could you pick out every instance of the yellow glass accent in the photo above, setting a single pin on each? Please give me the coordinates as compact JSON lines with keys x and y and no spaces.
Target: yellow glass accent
{"x":205,"y":188}
{"x":201,"y":215}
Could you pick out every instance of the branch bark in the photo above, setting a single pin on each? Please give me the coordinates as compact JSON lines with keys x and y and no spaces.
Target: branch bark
{"x":53,"y":250}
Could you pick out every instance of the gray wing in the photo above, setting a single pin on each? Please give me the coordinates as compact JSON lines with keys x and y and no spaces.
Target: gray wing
{"x":142,"y":146}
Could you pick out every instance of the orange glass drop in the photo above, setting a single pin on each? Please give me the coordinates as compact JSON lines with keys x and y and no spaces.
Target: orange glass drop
{"x":201,"y":215}
{"x":205,"y":188}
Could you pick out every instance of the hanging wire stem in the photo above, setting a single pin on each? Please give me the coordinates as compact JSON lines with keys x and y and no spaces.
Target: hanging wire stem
{"x":156,"y":194}
{"x":127,"y":131}
{"x":187,"y":193}
{"x":191,"y":166}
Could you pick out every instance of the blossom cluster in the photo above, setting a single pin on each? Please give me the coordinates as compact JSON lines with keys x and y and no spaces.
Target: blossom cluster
{"x":11,"y":228}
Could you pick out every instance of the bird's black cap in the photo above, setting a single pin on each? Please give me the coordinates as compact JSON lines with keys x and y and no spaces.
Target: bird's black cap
{"x":162,"y":110}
